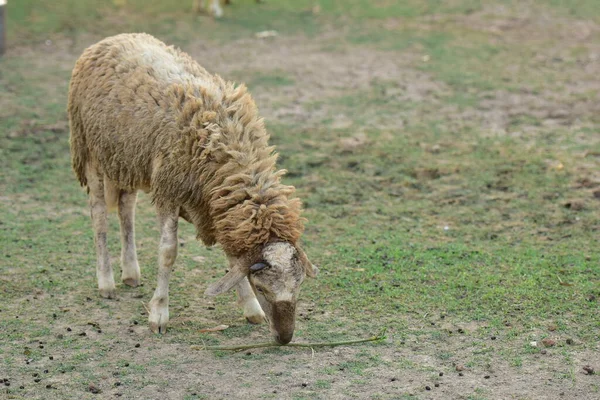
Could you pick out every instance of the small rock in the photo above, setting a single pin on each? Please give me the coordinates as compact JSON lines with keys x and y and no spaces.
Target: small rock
{"x":304,"y":384}
{"x":460,"y":374}
{"x":589,"y":370}
{"x":552,"y":328}
{"x":460,"y":367}
{"x":543,"y":351}
{"x":427,"y":388}
{"x":548,"y":342}
{"x":94,"y":389}
{"x":441,"y":374}
{"x":486,"y":377}
{"x":437,"y":385}
{"x":137,"y":345}
{"x":493,"y":338}
{"x":575,"y":205}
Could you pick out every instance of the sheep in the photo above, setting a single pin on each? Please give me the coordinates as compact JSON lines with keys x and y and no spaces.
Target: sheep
{"x":213,"y":6}
{"x":144,"y":116}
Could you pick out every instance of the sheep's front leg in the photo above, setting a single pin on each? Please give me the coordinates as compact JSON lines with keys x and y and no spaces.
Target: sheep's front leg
{"x":167,"y":252}
{"x":130,"y":268}
{"x":98,"y":211}
{"x":247,"y":300}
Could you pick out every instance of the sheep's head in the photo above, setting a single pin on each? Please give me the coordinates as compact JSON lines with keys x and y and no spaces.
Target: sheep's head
{"x":275,"y":274}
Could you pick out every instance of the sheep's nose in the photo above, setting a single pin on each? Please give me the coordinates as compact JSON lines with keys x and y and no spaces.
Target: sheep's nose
{"x":284,"y":338}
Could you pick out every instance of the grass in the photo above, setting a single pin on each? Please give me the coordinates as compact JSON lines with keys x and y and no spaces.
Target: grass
{"x":441,"y":226}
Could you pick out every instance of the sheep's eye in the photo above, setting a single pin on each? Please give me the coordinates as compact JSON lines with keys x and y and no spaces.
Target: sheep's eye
{"x":259,"y":290}
{"x":258,"y":266}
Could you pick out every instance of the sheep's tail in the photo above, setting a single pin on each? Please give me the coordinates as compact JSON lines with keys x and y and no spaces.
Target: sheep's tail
{"x":111,"y":195}
{"x":79,"y":159}
{"x":79,"y":153}
{"x":77,"y":142}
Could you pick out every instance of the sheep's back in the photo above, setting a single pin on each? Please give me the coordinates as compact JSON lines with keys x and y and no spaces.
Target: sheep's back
{"x":125,"y":96}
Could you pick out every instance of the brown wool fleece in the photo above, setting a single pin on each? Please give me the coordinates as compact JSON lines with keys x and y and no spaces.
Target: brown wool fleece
{"x":147,"y":116}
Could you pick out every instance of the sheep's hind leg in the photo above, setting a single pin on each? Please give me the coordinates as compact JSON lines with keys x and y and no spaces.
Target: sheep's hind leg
{"x":129,"y":264}
{"x":247,"y":300}
{"x":167,"y":252}
{"x":104,"y":272}
{"x":215,"y":8}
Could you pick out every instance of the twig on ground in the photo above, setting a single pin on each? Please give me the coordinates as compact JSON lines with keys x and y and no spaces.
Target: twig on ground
{"x":381,"y":336}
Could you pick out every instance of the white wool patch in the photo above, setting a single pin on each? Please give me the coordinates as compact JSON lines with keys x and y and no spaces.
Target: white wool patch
{"x":279,"y":254}
{"x":167,"y":68}
{"x":286,"y":296}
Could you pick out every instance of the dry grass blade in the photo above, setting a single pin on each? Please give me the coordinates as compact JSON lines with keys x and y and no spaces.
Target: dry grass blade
{"x":380,"y":337}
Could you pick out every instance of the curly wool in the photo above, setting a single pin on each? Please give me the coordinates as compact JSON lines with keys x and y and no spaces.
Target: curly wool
{"x":147,"y":116}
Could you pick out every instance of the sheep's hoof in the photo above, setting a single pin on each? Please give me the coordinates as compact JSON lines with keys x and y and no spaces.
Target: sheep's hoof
{"x":108,"y":293}
{"x":159,"y":316}
{"x":255,"y":319}
{"x":252,"y":311}
{"x":157,"y":328}
{"x":133,"y":282}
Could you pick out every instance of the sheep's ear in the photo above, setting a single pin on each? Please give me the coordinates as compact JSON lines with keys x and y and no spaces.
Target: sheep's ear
{"x":310,"y":270}
{"x":226,"y":283}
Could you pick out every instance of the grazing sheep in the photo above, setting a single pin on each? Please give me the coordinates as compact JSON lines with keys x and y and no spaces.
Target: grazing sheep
{"x":212,"y":6}
{"x":145,"y":116}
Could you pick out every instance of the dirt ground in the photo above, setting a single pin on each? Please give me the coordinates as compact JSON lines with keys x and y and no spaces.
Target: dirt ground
{"x":66,"y":342}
